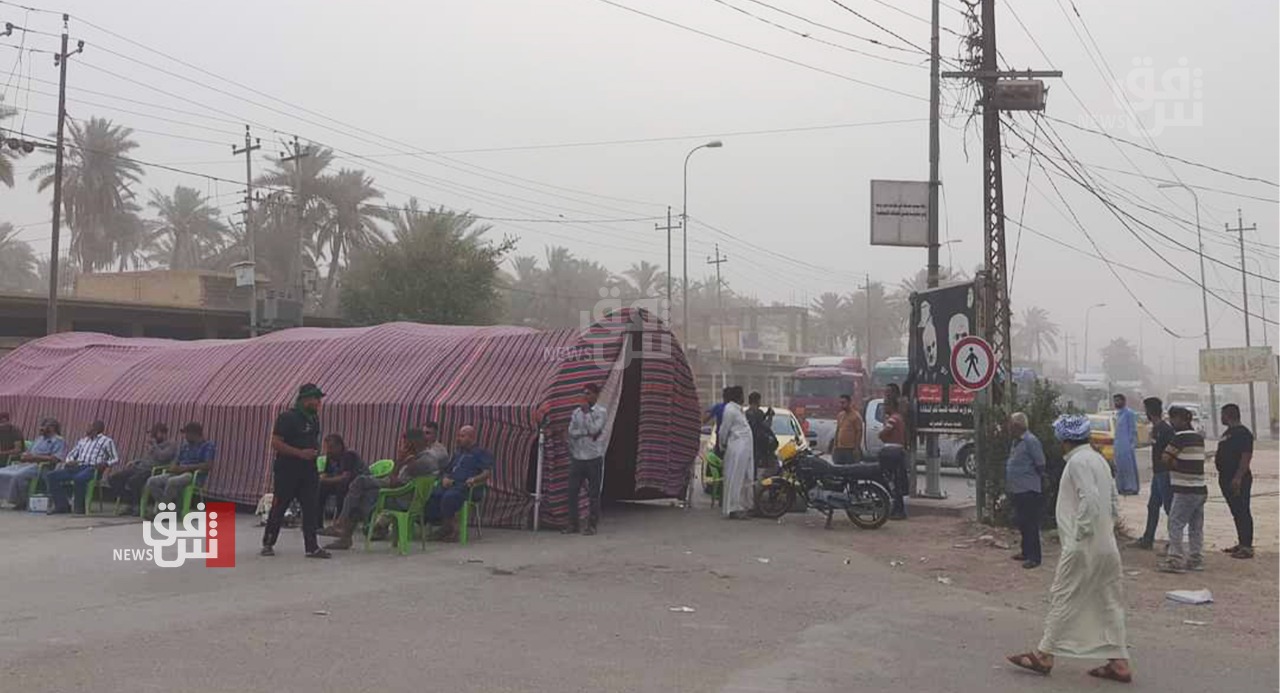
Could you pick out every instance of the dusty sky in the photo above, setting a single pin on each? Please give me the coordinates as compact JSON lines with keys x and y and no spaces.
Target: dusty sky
{"x":433,"y":77}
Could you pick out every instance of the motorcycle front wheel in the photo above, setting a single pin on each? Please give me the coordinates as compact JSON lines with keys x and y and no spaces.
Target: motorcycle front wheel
{"x":870,"y":507}
{"x":775,"y":498}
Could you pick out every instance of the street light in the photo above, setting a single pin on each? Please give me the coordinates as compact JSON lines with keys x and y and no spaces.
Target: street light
{"x":1086,"y":332}
{"x":1204,"y":295}
{"x":684,"y":220}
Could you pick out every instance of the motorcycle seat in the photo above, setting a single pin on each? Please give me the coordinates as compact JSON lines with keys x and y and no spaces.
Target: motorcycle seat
{"x":857,"y":470}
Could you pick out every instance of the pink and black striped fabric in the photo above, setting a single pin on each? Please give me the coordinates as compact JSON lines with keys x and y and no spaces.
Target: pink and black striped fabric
{"x":379,"y":381}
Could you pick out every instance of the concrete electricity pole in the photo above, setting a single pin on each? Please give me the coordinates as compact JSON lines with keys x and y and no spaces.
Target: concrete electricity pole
{"x":933,"y":461}
{"x":250,"y":146}
{"x":1244,"y":285}
{"x":724,"y":355}
{"x":668,"y":228}
{"x":51,"y":314}
{"x":296,"y":265}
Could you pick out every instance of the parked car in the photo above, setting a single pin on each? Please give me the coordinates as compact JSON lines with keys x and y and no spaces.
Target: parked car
{"x":1102,"y":435}
{"x":955,"y":451}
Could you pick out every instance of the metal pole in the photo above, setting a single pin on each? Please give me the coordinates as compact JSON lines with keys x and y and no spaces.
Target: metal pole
{"x":933,"y":461}
{"x":1204,"y":296}
{"x":684,"y":222}
{"x":537,"y":487}
{"x":1244,"y":285}
{"x":249,"y":232}
{"x":669,"y":268}
{"x":51,"y":316}
{"x":724,"y":355}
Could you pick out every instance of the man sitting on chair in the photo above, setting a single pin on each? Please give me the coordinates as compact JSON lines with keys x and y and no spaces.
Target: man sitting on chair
{"x":95,"y":450}
{"x":341,"y":467}
{"x":420,"y":454}
{"x":469,"y":467}
{"x":195,"y":455}
{"x":127,"y":481}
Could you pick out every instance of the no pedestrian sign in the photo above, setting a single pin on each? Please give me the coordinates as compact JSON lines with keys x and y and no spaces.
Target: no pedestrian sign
{"x":973,"y":364}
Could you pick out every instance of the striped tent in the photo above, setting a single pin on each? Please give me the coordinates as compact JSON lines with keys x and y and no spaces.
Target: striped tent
{"x":380,"y":381}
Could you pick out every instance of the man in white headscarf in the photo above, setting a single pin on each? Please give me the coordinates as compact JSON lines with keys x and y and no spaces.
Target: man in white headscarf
{"x":1086,"y":601}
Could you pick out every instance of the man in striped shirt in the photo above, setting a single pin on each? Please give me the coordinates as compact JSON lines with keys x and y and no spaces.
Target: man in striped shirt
{"x":94,"y":450}
{"x":1185,"y":458}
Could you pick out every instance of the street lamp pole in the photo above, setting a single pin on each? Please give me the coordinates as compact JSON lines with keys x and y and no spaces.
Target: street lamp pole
{"x":684,"y":219}
{"x":1086,"y":332}
{"x":1204,"y":296}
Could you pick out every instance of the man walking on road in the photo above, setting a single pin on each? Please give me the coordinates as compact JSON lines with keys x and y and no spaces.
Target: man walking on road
{"x":1235,"y":453}
{"x":1161,"y":494}
{"x":296,"y":442}
{"x":1086,"y":601}
{"x":586,"y":453}
{"x":1023,"y":472}
{"x":846,"y":445}
{"x":1185,"y":457}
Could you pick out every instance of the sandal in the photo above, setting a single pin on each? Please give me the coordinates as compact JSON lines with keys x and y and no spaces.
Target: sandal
{"x":1108,"y":671}
{"x":1030,"y":661}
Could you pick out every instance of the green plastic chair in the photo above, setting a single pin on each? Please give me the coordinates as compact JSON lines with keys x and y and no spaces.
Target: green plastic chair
{"x":93,"y":487}
{"x":321,"y":463}
{"x":713,"y":477}
{"x":469,"y":509}
{"x":382,"y":468}
{"x":420,"y":490}
{"x":188,"y":493}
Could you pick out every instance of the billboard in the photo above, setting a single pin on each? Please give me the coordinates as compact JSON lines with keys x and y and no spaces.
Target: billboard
{"x":1235,"y":366}
{"x":900,"y":213}
{"x":940,"y":318}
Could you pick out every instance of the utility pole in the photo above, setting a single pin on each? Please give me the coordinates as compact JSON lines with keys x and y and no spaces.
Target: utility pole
{"x":668,"y":228}
{"x":724,"y":356}
{"x":250,"y":146}
{"x":866,"y":327}
{"x":932,"y":458}
{"x":51,"y":315}
{"x":1244,"y":285}
{"x":296,"y":265}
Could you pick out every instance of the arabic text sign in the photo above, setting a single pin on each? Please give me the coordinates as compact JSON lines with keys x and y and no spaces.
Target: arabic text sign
{"x":1232,"y":366}
{"x":900,"y":213}
{"x":208,"y":532}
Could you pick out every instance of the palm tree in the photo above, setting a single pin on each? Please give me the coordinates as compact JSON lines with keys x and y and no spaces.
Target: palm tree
{"x":351,"y":221}
{"x":831,"y":313}
{"x":187,"y":226}
{"x":6,"y":155}
{"x":1038,"y":332}
{"x":645,"y":279}
{"x":17,"y":262}
{"x":96,"y":178}
{"x":131,"y":243}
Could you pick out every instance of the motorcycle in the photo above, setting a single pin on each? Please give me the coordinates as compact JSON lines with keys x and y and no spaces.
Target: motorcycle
{"x":807,"y":480}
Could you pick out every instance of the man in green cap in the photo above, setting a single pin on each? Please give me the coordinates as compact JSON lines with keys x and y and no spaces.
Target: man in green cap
{"x":296,"y":442}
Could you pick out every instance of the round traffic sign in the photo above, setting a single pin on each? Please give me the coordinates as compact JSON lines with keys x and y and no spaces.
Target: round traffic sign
{"x":973,"y":363}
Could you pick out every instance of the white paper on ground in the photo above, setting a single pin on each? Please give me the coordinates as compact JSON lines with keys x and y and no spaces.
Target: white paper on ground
{"x":1190,"y":596}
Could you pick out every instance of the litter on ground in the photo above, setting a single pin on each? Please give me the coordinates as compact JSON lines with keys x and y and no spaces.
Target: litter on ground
{"x":1190,"y":596}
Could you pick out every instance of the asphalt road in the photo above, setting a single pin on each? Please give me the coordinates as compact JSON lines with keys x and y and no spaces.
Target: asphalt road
{"x":522,"y":612}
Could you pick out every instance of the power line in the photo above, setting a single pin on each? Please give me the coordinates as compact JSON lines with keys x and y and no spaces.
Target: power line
{"x":811,"y":37}
{"x":1121,"y":140}
{"x":828,"y":27}
{"x":760,"y":51}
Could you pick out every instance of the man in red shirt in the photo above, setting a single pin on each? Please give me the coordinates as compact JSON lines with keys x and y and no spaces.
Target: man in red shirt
{"x":893,"y":457}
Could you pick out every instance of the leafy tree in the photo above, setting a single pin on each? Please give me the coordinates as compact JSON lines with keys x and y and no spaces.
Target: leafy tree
{"x":1120,"y":361}
{"x":187,"y":228}
{"x":1042,"y":409}
{"x":888,"y":322}
{"x":350,"y":224}
{"x":645,"y":279}
{"x":1037,"y":332}
{"x":435,"y":270}
{"x":96,"y":196}
{"x":7,"y":155}
{"x":831,"y":313}
{"x":17,"y":262}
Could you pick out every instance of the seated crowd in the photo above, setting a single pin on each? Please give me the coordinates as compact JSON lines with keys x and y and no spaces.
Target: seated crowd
{"x":166,"y":468}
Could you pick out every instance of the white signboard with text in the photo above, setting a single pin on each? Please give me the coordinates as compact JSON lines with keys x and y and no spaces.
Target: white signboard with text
{"x":900,"y":213}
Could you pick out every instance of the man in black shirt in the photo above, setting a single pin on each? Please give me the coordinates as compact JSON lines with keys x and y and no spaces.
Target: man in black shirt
{"x":296,"y":442}
{"x":1161,"y":492}
{"x":1235,"y":452}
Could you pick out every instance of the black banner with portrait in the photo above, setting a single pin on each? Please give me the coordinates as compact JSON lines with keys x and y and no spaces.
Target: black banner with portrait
{"x":940,"y":318}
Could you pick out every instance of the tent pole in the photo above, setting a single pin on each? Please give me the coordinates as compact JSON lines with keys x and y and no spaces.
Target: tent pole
{"x":537,"y":490}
